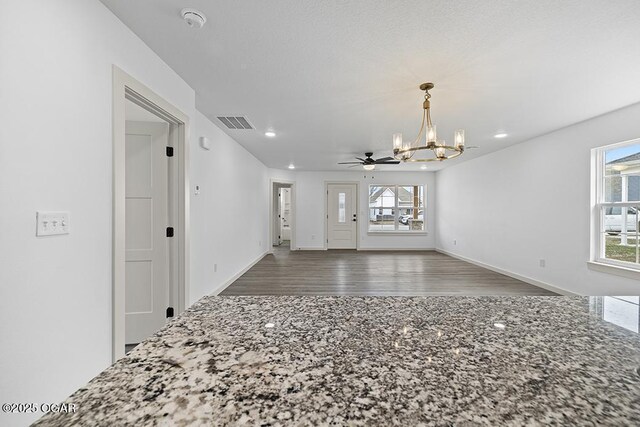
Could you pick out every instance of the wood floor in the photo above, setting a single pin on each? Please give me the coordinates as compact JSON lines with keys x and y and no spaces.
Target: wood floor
{"x":380,"y":273}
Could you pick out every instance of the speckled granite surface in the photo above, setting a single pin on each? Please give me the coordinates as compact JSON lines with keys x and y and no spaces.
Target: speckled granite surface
{"x":372,"y":361}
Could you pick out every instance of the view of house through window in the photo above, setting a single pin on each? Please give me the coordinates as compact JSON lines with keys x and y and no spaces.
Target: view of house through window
{"x":396,"y":208}
{"x":619,"y":205}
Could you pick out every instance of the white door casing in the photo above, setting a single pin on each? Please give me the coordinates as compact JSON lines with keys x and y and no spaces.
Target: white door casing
{"x":146,"y":220}
{"x":342,"y":218}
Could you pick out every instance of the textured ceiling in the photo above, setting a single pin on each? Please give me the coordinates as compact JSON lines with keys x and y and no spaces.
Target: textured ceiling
{"x":337,"y":78}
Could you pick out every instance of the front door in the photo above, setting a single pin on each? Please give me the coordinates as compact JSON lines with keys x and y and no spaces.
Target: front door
{"x":342,"y":216}
{"x":146,"y":221}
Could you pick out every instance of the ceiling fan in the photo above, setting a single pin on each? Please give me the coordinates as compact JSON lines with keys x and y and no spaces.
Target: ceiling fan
{"x":369,"y":163}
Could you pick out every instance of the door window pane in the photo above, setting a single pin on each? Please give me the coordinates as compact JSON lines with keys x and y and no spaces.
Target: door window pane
{"x":341,"y":208}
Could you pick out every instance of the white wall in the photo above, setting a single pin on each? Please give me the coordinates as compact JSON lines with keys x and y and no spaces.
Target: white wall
{"x":56,"y":154}
{"x":531,"y":201}
{"x":310,"y":207}
{"x":229,"y":218}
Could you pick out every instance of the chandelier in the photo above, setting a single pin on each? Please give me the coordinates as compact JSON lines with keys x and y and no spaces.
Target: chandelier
{"x":441,"y":151}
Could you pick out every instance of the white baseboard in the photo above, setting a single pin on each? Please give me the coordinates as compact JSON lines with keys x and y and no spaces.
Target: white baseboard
{"x":516,"y":276}
{"x":311,"y":248}
{"x":397,"y":249}
{"x":238,"y":274}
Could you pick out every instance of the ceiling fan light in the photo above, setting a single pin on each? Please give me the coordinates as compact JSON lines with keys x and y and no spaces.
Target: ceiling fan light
{"x":369,"y":167}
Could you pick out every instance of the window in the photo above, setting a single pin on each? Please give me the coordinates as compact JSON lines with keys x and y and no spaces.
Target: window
{"x":396,"y":208}
{"x":618,"y":204}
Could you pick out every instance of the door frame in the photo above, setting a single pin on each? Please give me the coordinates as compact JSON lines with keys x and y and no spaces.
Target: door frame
{"x":272,"y":188}
{"x":125,"y":87}
{"x":326,"y":211}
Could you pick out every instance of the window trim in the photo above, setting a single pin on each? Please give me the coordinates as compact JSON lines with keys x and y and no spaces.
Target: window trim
{"x":396,"y":208}
{"x":598,"y":261}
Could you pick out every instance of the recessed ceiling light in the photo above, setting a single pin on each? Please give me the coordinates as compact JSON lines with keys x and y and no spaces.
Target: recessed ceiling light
{"x":291,"y":166}
{"x":269,"y":325}
{"x":423,"y":167}
{"x":270,"y":134}
{"x":500,"y":135}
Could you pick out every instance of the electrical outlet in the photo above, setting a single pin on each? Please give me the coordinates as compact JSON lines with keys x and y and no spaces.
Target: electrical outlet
{"x":543,"y":263}
{"x":215,"y":268}
{"x":52,"y":223}
{"x":260,"y":243}
{"x":313,"y":237}
{"x":455,"y":242}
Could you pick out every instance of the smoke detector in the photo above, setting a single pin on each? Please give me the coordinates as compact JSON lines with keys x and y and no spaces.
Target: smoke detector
{"x":194,"y":18}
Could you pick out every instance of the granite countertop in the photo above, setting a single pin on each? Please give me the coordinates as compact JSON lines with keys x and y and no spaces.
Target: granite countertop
{"x":373,"y":361}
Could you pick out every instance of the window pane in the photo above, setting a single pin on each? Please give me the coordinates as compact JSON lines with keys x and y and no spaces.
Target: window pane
{"x":621,"y":233}
{"x":613,"y":188}
{"x":382,"y":196}
{"x":341,"y":208}
{"x":410,"y":196}
{"x":622,"y":247}
{"x":411,"y":220}
{"x":381,"y":220}
{"x":617,"y":220}
{"x":633,"y":188}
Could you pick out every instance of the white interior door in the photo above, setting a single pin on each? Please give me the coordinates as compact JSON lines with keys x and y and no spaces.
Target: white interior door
{"x":147,"y":246}
{"x":342,"y":218}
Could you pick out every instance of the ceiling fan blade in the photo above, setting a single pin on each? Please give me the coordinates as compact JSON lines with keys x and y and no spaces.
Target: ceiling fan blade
{"x":395,"y":162}
{"x":471,"y":147}
{"x":353,"y":166}
{"x":350,"y":163}
{"x":384,"y":159}
{"x":362,"y":160}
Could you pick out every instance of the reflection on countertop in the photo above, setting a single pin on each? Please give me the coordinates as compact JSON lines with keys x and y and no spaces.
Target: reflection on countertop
{"x":621,"y":311}
{"x":377,"y":361}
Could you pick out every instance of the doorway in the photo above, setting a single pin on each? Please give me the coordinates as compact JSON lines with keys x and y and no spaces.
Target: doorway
{"x":150,"y":212}
{"x":282,"y":217}
{"x":342,"y":216}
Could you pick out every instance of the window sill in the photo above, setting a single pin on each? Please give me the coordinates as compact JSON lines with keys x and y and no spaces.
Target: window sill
{"x":397,"y":233}
{"x":628,"y":272}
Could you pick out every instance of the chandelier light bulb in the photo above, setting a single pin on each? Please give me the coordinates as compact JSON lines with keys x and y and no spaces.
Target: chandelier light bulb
{"x":397,"y":141}
{"x":459,"y":138}
{"x":431,"y":134}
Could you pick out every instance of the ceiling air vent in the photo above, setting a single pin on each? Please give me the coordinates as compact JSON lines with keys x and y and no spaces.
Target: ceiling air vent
{"x":235,"y":122}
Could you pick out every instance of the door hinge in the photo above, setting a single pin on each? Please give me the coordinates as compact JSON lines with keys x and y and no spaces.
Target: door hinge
{"x":169,"y":231}
{"x":169,"y":312}
{"x":169,"y":151}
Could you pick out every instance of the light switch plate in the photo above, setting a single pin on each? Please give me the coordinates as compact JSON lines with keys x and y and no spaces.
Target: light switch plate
{"x":52,"y":223}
